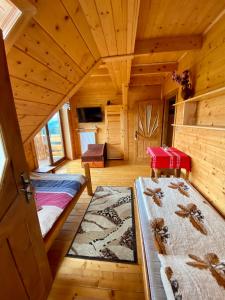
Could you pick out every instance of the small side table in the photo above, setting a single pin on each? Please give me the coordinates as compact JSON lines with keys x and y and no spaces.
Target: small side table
{"x":170,"y":158}
{"x":46,"y":169}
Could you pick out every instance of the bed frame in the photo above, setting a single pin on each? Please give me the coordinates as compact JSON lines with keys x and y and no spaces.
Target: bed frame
{"x":53,"y":233}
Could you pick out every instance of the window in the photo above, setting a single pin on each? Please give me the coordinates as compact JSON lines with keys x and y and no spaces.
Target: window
{"x":49,"y":143}
{"x":9,"y":14}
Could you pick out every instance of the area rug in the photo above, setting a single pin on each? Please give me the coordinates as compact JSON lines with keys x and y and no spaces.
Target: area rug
{"x":107,"y":231}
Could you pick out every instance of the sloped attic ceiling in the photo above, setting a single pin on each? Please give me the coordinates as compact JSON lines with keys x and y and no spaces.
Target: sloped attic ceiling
{"x":55,"y":52}
{"x":67,"y":40}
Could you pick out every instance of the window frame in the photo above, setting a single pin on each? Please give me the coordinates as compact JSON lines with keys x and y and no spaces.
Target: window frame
{"x":28,"y":11}
{"x":59,"y":161}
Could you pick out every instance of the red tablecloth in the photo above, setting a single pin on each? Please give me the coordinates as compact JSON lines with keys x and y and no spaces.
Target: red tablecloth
{"x":169,"y":159}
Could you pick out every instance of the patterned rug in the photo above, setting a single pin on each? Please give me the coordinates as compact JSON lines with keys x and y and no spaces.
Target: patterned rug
{"x":107,"y":231}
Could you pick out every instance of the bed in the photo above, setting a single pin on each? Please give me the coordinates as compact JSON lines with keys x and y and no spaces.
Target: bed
{"x":189,"y":248}
{"x":56,"y":196}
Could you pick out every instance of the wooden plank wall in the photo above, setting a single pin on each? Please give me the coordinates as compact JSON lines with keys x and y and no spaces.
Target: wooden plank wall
{"x":206,"y":147}
{"x":95,"y":92}
{"x":31,"y":156}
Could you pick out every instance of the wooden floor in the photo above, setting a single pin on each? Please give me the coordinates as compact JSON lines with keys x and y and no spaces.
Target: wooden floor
{"x":82,"y":279}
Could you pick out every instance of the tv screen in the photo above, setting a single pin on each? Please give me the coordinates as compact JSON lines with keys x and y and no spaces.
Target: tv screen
{"x":89,"y":114}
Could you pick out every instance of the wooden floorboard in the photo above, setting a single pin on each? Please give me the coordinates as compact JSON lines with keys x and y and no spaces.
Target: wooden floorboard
{"x":80,"y":279}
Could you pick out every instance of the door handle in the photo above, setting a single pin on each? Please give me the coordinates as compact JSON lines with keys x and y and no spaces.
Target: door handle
{"x":26,"y":187}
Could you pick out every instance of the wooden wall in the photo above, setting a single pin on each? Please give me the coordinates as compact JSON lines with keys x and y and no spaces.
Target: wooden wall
{"x":205,"y":146}
{"x":30,"y":155}
{"x":95,"y":92}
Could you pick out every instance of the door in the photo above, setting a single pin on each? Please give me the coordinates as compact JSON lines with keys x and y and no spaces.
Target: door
{"x":148,"y":127}
{"x":114,"y":134}
{"x":24,"y":268}
{"x":169,"y":117}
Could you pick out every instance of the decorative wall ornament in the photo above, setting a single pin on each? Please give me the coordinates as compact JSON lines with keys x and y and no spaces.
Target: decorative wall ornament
{"x":148,"y":122}
{"x":185,"y":81}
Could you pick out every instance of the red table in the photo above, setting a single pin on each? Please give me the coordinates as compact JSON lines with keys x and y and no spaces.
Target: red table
{"x":170,"y":158}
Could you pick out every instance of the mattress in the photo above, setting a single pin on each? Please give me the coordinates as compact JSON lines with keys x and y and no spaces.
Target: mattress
{"x":152,"y":261}
{"x":192,"y":227}
{"x":53,"y":192}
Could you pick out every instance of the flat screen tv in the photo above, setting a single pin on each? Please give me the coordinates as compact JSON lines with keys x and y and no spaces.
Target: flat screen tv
{"x":89,"y":114}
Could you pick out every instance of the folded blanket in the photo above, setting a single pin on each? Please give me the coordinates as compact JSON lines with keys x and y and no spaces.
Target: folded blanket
{"x":191,"y":277}
{"x":53,"y":192}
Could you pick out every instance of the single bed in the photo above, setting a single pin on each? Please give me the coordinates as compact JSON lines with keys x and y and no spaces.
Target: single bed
{"x":181,"y":238}
{"x":56,"y":196}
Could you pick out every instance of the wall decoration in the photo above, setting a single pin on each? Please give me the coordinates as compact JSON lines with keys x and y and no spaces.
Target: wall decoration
{"x":185,"y":81}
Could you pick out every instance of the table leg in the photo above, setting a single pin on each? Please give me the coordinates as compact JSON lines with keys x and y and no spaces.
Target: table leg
{"x":187,"y":175}
{"x":157,"y":172}
{"x":151,"y":172}
{"x":177,"y":172}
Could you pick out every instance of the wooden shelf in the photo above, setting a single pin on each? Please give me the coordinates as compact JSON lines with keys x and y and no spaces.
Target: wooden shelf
{"x":203,"y":96}
{"x":222,"y":128}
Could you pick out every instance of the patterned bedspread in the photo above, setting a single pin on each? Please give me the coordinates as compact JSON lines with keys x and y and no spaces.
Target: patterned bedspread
{"x":53,"y":192}
{"x":188,"y":235}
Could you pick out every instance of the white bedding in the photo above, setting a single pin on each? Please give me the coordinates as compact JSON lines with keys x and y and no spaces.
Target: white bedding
{"x":47,"y":217}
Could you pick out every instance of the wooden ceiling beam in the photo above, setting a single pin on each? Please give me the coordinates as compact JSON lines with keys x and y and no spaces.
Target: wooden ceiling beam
{"x":167,"y":44}
{"x":101,"y":72}
{"x":146,"y":80}
{"x":154,"y":68}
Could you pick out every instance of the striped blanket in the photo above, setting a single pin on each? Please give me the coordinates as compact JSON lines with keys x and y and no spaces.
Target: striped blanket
{"x":53,"y":192}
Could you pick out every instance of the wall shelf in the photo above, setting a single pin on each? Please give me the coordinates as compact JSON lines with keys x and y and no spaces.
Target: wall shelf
{"x":221,"y":128}
{"x":204,"y":96}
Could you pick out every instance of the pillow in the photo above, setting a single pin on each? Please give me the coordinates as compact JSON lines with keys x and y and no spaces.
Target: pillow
{"x":193,"y":277}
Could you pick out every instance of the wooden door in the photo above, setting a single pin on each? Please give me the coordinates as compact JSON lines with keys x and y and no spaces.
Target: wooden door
{"x":24,"y":268}
{"x":148,"y":127}
{"x":114,"y":131}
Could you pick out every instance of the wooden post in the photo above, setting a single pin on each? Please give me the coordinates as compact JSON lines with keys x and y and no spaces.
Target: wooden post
{"x":88,"y":177}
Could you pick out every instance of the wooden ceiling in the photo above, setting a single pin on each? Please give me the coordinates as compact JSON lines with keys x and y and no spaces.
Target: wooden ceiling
{"x":134,"y":42}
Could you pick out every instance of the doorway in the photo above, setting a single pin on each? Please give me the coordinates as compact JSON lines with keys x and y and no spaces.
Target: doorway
{"x":148,"y":128}
{"x":169,"y":119}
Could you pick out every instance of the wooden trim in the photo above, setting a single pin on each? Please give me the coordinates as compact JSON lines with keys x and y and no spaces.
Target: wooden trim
{"x":143,"y":259}
{"x":28,"y":11}
{"x":210,"y":127}
{"x":94,"y":164}
{"x":71,"y":93}
{"x":49,"y":145}
{"x":88,"y":176}
{"x":87,"y":129}
{"x":204,"y":96}
{"x":125,"y":141}
{"x":117,"y":58}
